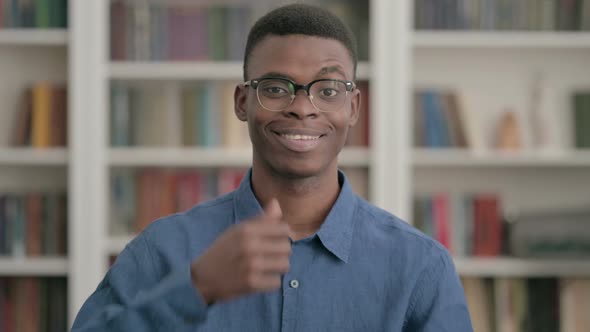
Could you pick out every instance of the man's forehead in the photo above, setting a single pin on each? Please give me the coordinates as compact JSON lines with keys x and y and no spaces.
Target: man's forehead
{"x":281,"y":50}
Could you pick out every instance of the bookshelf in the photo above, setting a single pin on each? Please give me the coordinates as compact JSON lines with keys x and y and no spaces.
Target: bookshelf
{"x":401,"y":58}
{"x":33,"y":164}
{"x":94,"y":170}
{"x":533,"y":72}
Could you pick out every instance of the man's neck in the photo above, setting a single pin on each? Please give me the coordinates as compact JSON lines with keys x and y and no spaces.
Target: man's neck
{"x":305,"y":202}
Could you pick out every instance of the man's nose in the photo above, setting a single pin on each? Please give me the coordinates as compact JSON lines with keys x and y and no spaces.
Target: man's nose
{"x":301,"y":106}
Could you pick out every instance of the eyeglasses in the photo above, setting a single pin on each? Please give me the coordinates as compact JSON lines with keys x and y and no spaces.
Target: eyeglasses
{"x":276,"y":94}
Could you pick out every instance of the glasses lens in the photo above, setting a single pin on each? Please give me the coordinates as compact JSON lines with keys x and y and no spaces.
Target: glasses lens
{"x":328,"y":95}
{"x":275,"y":94}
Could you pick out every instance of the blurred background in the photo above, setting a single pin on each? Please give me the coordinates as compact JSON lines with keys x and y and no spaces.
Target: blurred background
{"x":475,"y":128}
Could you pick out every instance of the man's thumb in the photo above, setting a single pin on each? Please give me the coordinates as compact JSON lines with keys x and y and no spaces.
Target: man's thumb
{"x":273,"y":210}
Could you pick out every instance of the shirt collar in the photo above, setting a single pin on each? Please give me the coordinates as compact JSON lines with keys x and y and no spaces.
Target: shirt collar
{"x":335,"y":233}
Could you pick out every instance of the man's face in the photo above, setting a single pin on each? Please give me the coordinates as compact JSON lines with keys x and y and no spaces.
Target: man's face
{"x":299,"y":141}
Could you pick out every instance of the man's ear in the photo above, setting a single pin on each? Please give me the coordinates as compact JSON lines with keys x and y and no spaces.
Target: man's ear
{"x":240,"y":102}
{"x":355,"y":107}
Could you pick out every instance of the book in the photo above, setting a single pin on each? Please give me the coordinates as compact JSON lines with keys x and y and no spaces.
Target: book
{"x":479,"y":296}
{"x":440,"y":120}
{"x":41,"y":119}
{"x":442,"y":225}
{"x":42,"y":13}
{"x":585,"y":16}
{"x":33,"y":304}
{"x":33,"y":224}
{"x":487,"y":225}
{"x":41,"y":115}
{"x":33,"y":13}
{"x":139,"y":197}
{"x":500,"y":14}
{"x":574,"y":304}
{"x":551,"y":233}
{"x":581,"y":119}
{"x":186,"y":31}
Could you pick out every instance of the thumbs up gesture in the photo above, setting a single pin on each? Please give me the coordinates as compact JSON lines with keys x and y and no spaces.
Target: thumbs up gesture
{"x":247,"y":258}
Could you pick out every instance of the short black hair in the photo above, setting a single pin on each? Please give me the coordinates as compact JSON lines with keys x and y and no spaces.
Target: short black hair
{"x":300,"y":19}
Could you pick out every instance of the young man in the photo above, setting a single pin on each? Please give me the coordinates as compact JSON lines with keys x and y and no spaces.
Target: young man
{"x":317,"y":257}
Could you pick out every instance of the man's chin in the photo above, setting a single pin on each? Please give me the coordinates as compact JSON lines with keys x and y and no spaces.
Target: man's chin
{"x":301,"y":170}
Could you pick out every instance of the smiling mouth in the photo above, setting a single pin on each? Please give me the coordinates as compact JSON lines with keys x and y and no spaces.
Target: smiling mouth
{"x":299,"y":142}
{"x":300,"y":137}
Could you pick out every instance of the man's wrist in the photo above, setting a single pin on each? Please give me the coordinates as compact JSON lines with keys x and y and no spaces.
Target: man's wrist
{"x":199,"y":285}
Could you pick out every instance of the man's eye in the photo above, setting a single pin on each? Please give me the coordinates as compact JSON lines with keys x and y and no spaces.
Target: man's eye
{"x":275,"y":90}
{"x":329,"y":92}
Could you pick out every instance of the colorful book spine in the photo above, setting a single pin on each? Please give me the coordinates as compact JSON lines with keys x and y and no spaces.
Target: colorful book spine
{"x":140,"y":197}
{"x":33,"y":224}
{"x":41,"y":121}
{"x":199,"y":32}
{"x":502,"y":14}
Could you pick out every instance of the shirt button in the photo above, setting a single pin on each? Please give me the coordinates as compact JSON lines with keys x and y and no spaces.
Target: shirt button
{"x":294,"y":283}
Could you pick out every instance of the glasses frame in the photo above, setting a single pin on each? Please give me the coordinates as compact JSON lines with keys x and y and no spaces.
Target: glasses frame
{"x":350,"y":86}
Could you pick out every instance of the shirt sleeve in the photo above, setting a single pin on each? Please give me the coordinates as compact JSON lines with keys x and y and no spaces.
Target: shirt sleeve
{"x":133,"y":297}
{"x":438,"y":301}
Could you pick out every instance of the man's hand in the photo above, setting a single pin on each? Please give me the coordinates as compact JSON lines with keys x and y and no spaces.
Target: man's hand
{"x":247,"y":258}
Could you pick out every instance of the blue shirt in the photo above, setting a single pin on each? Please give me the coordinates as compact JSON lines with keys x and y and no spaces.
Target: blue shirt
{"x":364,"y":270}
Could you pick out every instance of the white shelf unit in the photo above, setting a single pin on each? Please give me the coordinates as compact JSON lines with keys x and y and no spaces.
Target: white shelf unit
{"x":34,"y":37}
{"x":518,"y":267}
{"x":506,"y":40}
{"x":33,"y":157}
{"x":494,"y":70}
{"x":39,"y":266}
{"x":93,"y":159}
{"x":209,"y":70}
{"x":466,"y":158}
{"x":400,"y":58}
{"x":209,"y":157}
{"x":29,"y":55}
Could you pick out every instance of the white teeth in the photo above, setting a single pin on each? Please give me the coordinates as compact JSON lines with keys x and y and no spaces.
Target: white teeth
{"x":300,"y":137}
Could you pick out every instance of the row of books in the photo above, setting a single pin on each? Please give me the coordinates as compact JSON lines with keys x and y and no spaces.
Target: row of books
{"x":551,"y":233}
{"x":466,"y":224}
{"x":439,"y":120}
{"x":448,"y":118}
{"x":475,"y":225}
{"x":33,"y":304}
{"x":155,"y":31}
{"x":190,"y":115}
{"x":503,"y":14}
{"x":41,"y":119}
{"x":33,"y":224}
{"x":581,"y":108}
{"x":528,"y":305}
{"x":138,"y":197}
{"x":33,"y":13}
{"x":199,"y":114}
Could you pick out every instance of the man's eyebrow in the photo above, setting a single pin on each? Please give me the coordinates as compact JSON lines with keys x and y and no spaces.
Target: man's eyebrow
{"x":331,"y":69}
{"x":276,"y":75}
